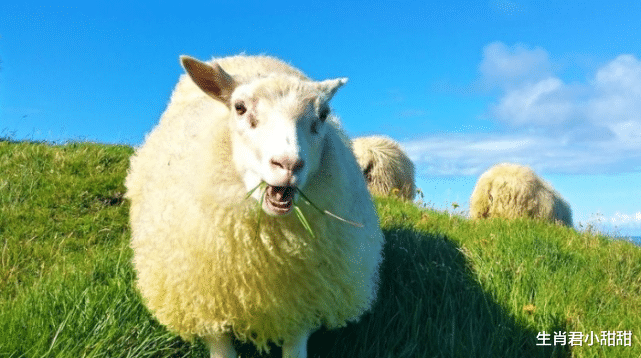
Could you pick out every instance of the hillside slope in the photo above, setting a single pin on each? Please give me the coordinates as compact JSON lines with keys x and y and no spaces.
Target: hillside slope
{"x":450,"y":287}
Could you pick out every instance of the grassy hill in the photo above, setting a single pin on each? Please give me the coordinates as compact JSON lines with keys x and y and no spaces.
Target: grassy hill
{"x":450,"y":287}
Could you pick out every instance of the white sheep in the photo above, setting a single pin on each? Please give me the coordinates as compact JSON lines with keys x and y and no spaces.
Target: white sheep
{"x":512,"y":190}
{"x":209,"y":261}
{"x":385,"y":166}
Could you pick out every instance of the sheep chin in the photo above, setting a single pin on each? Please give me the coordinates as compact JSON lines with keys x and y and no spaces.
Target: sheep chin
{"x":278,"y":200}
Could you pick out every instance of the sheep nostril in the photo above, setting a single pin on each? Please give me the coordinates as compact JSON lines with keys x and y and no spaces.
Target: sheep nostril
{"x":298,"y":165}
{"x":289,"y":164}
{"x":276,"y":163}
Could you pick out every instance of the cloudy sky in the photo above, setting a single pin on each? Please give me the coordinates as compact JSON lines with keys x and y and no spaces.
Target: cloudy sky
{"x":463,"y":85}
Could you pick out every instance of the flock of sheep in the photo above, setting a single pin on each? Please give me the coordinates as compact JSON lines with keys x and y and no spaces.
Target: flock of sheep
{"x":244,"y":142}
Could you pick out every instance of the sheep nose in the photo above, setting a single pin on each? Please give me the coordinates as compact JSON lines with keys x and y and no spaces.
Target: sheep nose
{"x":290,"y":164}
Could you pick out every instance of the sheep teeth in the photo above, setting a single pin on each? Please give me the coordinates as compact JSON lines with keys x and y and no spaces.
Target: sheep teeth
{"x":280,"y":199}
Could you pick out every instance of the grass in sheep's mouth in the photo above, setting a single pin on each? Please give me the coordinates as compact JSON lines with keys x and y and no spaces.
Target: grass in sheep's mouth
{"x":299,"y":213}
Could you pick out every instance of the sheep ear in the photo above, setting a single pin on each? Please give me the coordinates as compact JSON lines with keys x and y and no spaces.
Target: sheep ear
{"x":330,"y":87}
{"x":212,"y":79}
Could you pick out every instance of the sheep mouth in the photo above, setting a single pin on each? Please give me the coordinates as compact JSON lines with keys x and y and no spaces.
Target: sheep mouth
{"x":279,"y":200}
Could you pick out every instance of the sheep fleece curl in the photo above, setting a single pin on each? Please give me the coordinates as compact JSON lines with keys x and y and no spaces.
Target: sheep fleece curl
{"x":512,"y":190}
{"x":206,"y":265}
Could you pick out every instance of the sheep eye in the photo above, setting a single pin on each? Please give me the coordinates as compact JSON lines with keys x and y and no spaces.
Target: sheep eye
{"x":240,"y":108}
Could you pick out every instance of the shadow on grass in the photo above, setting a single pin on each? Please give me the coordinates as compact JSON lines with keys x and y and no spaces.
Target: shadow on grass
{"x":429,"y":305}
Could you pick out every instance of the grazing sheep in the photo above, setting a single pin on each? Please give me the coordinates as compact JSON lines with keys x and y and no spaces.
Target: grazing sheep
{"x":385,"y":166}
{"x":511,"y":190}
{"x":210,"y":261}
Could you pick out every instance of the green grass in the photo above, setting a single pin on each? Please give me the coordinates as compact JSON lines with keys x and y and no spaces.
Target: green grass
{"x":450,"y":287}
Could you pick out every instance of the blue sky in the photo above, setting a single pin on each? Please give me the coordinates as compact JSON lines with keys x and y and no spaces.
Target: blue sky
{"x":462,"y":85}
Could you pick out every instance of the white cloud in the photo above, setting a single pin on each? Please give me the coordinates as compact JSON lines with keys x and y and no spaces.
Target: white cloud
{"x":589,"y":127}
{"x":534,"y":96}
{"x":611,"y":99}
{"x":621,"y":218}
{"x":506,"y":67}
{"x":505,"y":7}
{"x":616,"y":100}
{"x":471,"y":154}
{"x":625,"y":224}
{"x":624,"y":73}
{"x":540,"y":103}
{"x":619,"y":224}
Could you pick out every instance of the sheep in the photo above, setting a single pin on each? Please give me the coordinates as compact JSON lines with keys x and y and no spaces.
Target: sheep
{"x":512,"y":190}
{"x":385,"y":166}
{"x":215,"y":258}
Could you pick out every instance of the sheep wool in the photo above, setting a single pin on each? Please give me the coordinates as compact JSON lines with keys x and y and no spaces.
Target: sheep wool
{"x":512,"y":190}
{"x":385,"y":166}
{"x":212,"y":262}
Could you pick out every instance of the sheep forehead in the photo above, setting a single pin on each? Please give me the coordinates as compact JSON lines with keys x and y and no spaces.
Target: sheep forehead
{"x":285,"y":94}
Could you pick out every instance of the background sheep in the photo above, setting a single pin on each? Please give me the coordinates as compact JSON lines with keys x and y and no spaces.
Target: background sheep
{"x":209,"y":262}
{"x":385,"y":166}
{"x":511,"y":190}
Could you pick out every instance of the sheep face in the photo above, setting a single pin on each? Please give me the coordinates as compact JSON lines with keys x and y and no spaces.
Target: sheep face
{"x":277,"y":127}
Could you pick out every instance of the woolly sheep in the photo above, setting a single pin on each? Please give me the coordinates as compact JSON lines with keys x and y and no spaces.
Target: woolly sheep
{"x":385,"y":166}
{"x":210,"y":261}
{"x":512,"y":190}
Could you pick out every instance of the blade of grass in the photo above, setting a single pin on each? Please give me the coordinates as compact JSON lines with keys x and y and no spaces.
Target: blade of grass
{"x":327,"y":212}
{"x":341,"y":219}
{"x":261,"y":185}
{"x":301,"y":218}
{"x":299,"y":213}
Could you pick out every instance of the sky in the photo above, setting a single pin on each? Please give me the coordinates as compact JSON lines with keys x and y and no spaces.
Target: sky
{"x":462,"y":85}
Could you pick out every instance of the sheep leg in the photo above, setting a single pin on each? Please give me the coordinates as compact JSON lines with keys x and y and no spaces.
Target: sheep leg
{"x":220,"y":346}
{"x":297,"y":347}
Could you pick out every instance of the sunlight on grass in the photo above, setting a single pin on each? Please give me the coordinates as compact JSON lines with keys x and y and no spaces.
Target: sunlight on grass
{"x":449,"y":287}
